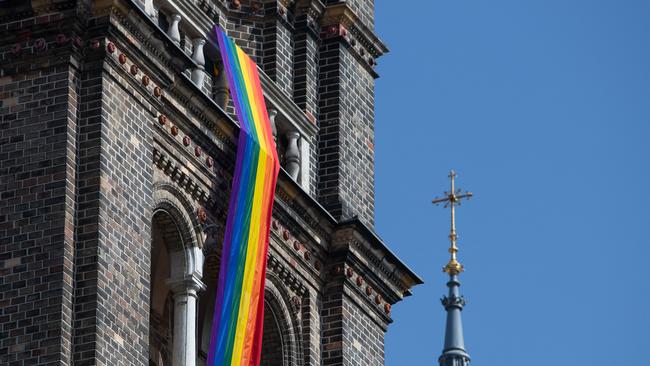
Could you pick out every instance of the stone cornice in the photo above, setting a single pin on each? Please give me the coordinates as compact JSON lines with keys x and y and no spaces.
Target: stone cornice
{"x":341,"y":14}
{"x":313,"y":8}
{"x":290,"y":217}
{"x":373,"y":256}
{"x":140,"y":25}
{"x":380,"y":317}
{"x":206,"y":109}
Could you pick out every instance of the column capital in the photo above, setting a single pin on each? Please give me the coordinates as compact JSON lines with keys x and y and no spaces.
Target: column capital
{"x":190,"y":285}
{"x":184,"y":291}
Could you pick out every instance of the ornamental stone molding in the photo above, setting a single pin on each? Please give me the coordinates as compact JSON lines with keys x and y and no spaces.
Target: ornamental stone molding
{"x":158,"y":44}
{"x":288,"y":317}
{"x":287,"y":276}
{"x":312,"y":8}
{"x":179,"y":176}
{"x":171,"y":200}
{"x":342,"y":14}
{"x":372,"y":255}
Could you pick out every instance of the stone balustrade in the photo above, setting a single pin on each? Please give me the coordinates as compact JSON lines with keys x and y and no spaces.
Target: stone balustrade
{"x":292,"y":154}
{"x":293,"y":132}
{"x":198,"y":73}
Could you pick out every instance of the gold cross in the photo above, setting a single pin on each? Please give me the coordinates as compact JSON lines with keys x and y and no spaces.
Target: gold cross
{"x":452,"y":199}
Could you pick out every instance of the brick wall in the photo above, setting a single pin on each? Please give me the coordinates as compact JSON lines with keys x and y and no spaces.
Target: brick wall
{"x":116,"y":191}
{"x":311,"y":329}
{"x":346,"y":146}
{"x":278,"y":61}
{"x":37,"y":160}
{"x":37,"y":185}
{"x":305,"y":81}
{"x":351,"y":334}
{"x":305,"y":67}
{"x":87,"y":145}
{"x":362,"y":337}
{"x":332,"y":325}
{"x":249,"y":35}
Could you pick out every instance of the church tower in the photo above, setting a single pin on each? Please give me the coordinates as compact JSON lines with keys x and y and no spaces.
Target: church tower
{"x":118,"y":150}
{"x":453,"y":353}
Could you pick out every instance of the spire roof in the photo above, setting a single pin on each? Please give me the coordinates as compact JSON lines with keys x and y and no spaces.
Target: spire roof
{"x":453,"y":353}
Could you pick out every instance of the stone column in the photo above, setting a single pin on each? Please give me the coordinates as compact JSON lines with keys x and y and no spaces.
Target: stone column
{"x":305,"y":163}
{"x":149,"y":8}
{"x":185,"y":292}
{"x":292,"y":155}
{"x":274,"y":129}
{"x":220,"y":87}
{"x":173,"y":31}
{"x":197,"y":55}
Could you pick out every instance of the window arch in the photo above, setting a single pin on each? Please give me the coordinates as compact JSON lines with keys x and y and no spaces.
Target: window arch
{"x":274,"y":350}
{"x":176,"y":272}
{"x":281,"y":341}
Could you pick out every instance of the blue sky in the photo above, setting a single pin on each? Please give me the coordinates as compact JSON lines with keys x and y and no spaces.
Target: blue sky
{"x":543,"y":108}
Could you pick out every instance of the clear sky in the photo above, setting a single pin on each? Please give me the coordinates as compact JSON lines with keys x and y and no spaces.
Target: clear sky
{"x":543,"y":108}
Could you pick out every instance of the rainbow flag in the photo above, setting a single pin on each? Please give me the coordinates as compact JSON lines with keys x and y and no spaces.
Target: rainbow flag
{"x":236,"y":337}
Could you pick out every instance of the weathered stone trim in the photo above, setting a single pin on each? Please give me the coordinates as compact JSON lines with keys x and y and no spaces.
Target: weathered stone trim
{"x":286,"y":275}
{"x":342,"y":14}
{"x":179,"y":176}
{"x":277,"y":298}
{"x":171,"y":200}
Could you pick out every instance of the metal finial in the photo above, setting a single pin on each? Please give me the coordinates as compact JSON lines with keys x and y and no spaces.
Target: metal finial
{"x":452,"y":199}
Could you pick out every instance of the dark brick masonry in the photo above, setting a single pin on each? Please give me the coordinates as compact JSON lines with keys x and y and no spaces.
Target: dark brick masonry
{"x":36,"y":214}
{"x":92,"y":178}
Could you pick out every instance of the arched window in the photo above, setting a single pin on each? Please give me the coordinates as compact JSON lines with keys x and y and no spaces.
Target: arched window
{"x":273,"y":350}
{"x":280,"y":341}
{"x":161,"y":310}
{"x":176,"y":271}
{"x":207,"y":297}
{"x":281,"y":338}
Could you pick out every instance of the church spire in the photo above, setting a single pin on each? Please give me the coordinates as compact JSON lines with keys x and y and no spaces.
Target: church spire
{"x":453,"y":353}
